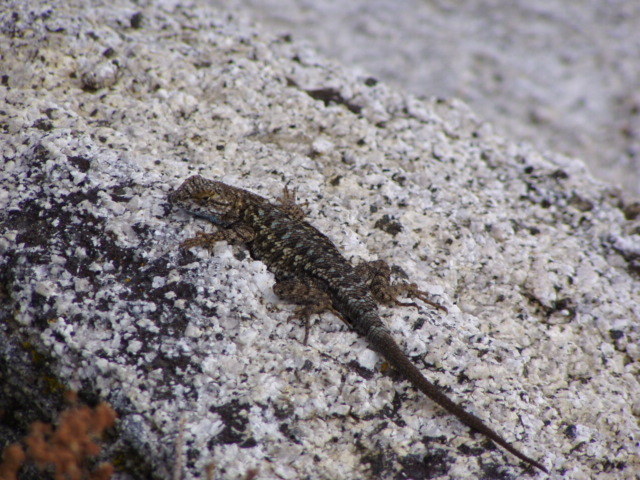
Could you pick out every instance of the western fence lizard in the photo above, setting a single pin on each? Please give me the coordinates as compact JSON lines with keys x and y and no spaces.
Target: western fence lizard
{"x":311,"y":272}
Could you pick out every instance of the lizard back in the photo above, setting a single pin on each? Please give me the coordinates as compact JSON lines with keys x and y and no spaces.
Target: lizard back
{"x":294,"y":248}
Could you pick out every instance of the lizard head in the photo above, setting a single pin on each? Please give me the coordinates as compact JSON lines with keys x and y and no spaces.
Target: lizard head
{"x":206,"y":198}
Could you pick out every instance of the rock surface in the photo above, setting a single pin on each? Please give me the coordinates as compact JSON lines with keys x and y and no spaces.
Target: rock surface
{"x":107,"y":108}
{"x":560,"y":74}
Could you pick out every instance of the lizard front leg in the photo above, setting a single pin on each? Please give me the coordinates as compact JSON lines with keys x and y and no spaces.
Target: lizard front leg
{"x":287,"y":203}
{"x":236,"y":234}
{"x":310,"y":298}
{"x":377,"y":275}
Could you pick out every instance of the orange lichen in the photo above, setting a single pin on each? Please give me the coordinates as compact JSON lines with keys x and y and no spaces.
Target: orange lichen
{"x":65,"y":449}
{"x":12,"y":459}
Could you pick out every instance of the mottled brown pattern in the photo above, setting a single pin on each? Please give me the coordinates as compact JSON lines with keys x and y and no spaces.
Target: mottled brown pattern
{"x":311,"y":272}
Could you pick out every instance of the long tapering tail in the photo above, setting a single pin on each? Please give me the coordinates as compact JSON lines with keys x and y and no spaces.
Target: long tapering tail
{"x":387,"y":346}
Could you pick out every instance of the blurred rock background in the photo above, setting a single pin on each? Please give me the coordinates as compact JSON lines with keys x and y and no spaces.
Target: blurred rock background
{"x":563,"y":75}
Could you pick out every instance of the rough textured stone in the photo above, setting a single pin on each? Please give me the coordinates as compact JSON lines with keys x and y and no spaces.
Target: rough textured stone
{"x":105,"y":108}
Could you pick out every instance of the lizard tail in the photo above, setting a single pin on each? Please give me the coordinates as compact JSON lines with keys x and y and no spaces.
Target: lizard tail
{"x":387,"y":346}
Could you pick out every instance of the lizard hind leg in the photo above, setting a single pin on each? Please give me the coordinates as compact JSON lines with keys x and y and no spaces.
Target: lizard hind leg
{"x":310,"y":300}
{"x":377,"y":274}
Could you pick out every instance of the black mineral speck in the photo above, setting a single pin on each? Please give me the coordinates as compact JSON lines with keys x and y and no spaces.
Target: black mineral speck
{"x":571,"y":431}
{"x":136,"y":20}
{"x":616,"y":334}
{"x":387,"y":224}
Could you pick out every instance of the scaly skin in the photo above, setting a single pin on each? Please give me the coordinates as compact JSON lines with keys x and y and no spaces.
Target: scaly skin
{"x":311,"y":272}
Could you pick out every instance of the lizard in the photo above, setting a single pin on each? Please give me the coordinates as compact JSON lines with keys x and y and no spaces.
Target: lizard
{"x":311,"y":272}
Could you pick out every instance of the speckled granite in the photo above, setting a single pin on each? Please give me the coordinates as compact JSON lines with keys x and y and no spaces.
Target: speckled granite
{"x":107,"y":108}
